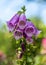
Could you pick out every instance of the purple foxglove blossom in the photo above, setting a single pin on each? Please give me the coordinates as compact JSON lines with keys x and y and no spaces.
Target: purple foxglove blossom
{"x":22,"y":21}
{"x":10,"y":26}
{"x":18,"y":34}
{"x":30,"y":29}
{"x":36,"y":31}
{"x":23,"y":46}
{"x":12,"y":23}
{"x":29,"y":40}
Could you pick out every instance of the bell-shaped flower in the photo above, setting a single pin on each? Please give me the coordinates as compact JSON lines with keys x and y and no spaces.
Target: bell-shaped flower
{"x":29,"y":40}
{"x":22,"y":21}
{"x":18,"y":34}
{"x":13,"y":21}
{"x":30,"y":29}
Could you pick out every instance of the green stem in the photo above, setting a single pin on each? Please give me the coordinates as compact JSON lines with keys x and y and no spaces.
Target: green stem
{"x":26,"y":53}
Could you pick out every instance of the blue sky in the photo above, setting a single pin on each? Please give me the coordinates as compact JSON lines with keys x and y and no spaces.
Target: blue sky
{"x":9,"y":7}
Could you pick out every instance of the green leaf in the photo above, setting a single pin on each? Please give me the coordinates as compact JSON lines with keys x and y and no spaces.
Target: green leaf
{"x":23,"y":9}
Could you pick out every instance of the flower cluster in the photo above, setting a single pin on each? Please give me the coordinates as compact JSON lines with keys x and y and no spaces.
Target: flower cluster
{"x":22,"y":28}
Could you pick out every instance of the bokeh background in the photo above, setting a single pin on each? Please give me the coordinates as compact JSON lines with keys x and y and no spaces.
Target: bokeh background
{"x":35,"y":11}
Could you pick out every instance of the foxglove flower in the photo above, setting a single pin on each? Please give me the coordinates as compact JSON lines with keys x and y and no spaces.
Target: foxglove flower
{"x":18,"y":34}
{"x":22,"y":21}
{"x":13,"y":22}
{"x":30,"y":29}
{"x":29,"y":40}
